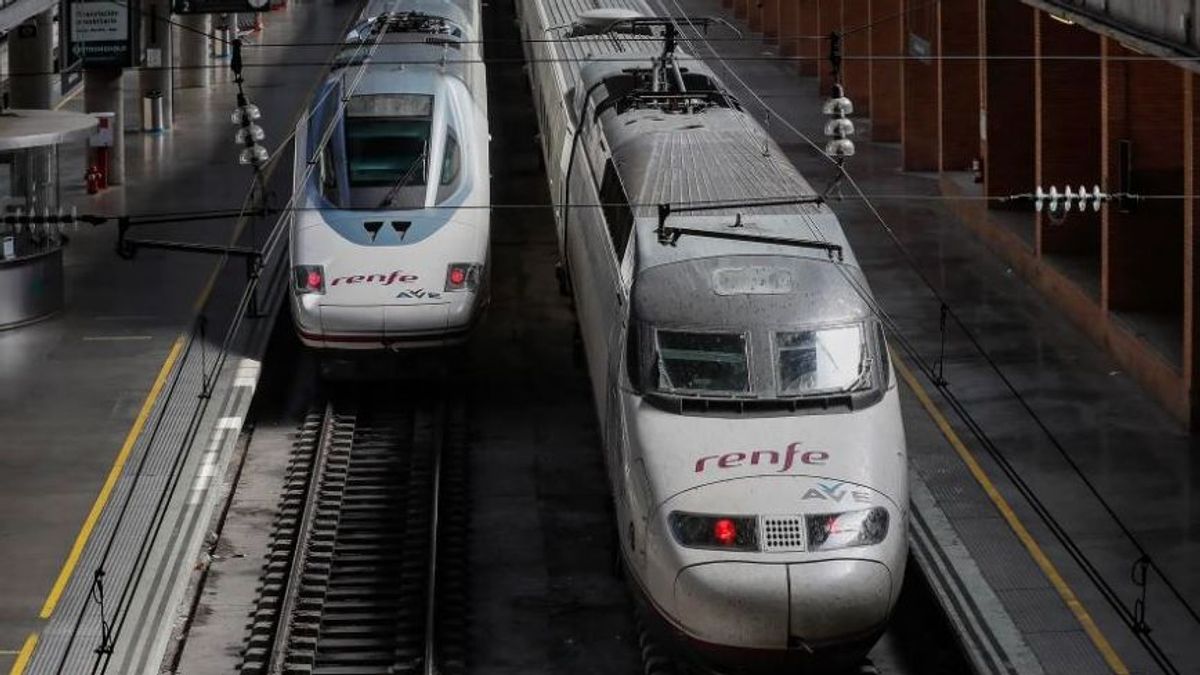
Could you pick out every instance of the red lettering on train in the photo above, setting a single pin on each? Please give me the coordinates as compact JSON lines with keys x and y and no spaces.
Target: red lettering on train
{"x":396,"y":277}
{"x":793,"y":454}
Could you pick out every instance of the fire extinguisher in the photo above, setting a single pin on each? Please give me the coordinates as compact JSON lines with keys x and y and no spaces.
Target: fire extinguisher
{"x":93,"y":178}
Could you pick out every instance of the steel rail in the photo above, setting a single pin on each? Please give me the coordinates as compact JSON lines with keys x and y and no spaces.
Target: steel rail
{"x":291,"y":591}
{"x":439,"y":430}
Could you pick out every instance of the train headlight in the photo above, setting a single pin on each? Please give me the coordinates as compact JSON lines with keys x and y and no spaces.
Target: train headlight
{"x":731,"y":533}
{"x":463,"y":276}
{"x":828,"y":531}
{"x":309,"y":279}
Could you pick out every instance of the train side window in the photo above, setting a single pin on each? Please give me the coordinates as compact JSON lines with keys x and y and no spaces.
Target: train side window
{"x":617,"y":213}
{"x":569,"y":104}
{"x":328,"y":175}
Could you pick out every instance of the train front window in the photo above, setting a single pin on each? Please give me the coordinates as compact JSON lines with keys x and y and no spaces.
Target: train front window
{"x":821,"y":360}
{"x":387,"y":139}
{"x":702,"y":362}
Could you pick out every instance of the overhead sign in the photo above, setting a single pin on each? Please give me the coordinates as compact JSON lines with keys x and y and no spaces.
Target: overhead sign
{"x":103,"y":33}
{"x":218,"y":6}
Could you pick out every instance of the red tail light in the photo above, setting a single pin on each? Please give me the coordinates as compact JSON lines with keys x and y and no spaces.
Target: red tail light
{"x":725,"y":532}
{"x":463,"y":276}
{"x":309,"y":279}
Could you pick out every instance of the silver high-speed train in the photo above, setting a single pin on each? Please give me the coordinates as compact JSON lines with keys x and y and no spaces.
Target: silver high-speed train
{"x":750,"y":416}
{"x":390,"y":241}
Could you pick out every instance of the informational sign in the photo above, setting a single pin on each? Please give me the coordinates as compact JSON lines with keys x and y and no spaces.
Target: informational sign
{"x":103,"y":34}
{"x":70,"y":67}
{"x":218,"y":6}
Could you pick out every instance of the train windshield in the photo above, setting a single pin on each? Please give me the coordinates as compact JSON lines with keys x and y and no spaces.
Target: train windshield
{"x":702,"y":362}
{"x":387,"y":139}
{"x":819,"y":361}
{"x":763,"y":363}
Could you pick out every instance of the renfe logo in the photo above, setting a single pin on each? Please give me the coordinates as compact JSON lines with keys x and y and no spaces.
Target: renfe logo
{"x":385,"y":279}
{"x":732,"y":460}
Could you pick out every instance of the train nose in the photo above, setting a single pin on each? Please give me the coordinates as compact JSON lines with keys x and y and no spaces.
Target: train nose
{"x":780,"y":606}
{"x":836,"y":600}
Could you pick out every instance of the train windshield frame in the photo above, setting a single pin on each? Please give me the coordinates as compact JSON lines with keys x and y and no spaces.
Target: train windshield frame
{"x":702,"y":362}
{"x":758,"y":363}
{"x":387,"y":139}
{"x":820,"y":360}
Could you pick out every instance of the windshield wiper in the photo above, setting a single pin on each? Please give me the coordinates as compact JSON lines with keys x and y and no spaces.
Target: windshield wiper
{"x":403,"y":182}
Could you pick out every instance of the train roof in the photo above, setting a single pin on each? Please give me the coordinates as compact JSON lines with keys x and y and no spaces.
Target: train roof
{"x":712,"y":153}
{"x":718,"y":289}
{"x":446,"y":54}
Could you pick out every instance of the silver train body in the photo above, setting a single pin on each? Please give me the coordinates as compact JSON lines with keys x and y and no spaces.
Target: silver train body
{"x":390,"y":239}
{"x":749,"y":411}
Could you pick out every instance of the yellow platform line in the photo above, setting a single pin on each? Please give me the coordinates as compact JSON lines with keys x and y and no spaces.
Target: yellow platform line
{"x":24,"y":655}
{"x":1035,"y":550}
{"x":85,"y":532}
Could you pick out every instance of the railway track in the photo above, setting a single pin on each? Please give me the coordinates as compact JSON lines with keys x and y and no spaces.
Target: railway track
{"x":366,"y":571}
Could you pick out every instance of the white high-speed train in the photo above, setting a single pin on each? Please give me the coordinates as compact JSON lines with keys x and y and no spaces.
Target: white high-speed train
{"x":390,"y":241}
{"x":751,"y":420}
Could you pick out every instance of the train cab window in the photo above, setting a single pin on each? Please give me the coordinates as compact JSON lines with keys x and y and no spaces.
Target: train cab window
{"x":821,"y":361}
{"x":451,"y":160}
{"x":885,"y":364}
{"x":327,"y":172}
{"x":702,"y":362}
{"x":387,"y":139}
{"x":617,"y":213}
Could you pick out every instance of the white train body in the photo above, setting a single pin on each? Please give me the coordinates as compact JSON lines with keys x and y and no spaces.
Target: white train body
{"x":390,"y":239}
{"x":749,"y":411}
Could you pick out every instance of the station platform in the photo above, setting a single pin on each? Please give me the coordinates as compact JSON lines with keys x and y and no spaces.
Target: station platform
{"x":83,"y":394}
{"x":1134,"y":454}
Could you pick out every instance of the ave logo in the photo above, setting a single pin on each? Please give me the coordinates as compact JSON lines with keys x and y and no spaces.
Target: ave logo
{"x":419,"y":294}
{"x":837,"y":493}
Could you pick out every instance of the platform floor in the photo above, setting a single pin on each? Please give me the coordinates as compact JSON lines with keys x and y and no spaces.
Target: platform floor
{"x":1131,"y":450}
{"x":72,"y":387}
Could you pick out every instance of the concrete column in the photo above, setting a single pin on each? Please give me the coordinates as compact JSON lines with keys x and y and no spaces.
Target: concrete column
{"x":193,"y":49}
{"x":887,"y":91}
{"x":1144,"y":109}
{"x":1191,"y":246}
{"x":102,"y":92}
{"x":770,"y":20}
{"x":959,"y":83}
{"x":1067,"y":101}
{"x":1008,"y":147}
{"x":789,"y":28}
{"x":830,"y":20}
{"x":921,"y":136}
{"x":810,"y":27}
{"x":31,"y":62}
{"x":856,"y":16}
{"x":157,"y":15}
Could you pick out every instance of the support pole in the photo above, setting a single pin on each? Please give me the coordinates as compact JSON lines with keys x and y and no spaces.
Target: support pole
{"x":31,"y":62}
{"x":193,"y":50}
{"x":102,"y":92}
{"x":156,"y":76}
